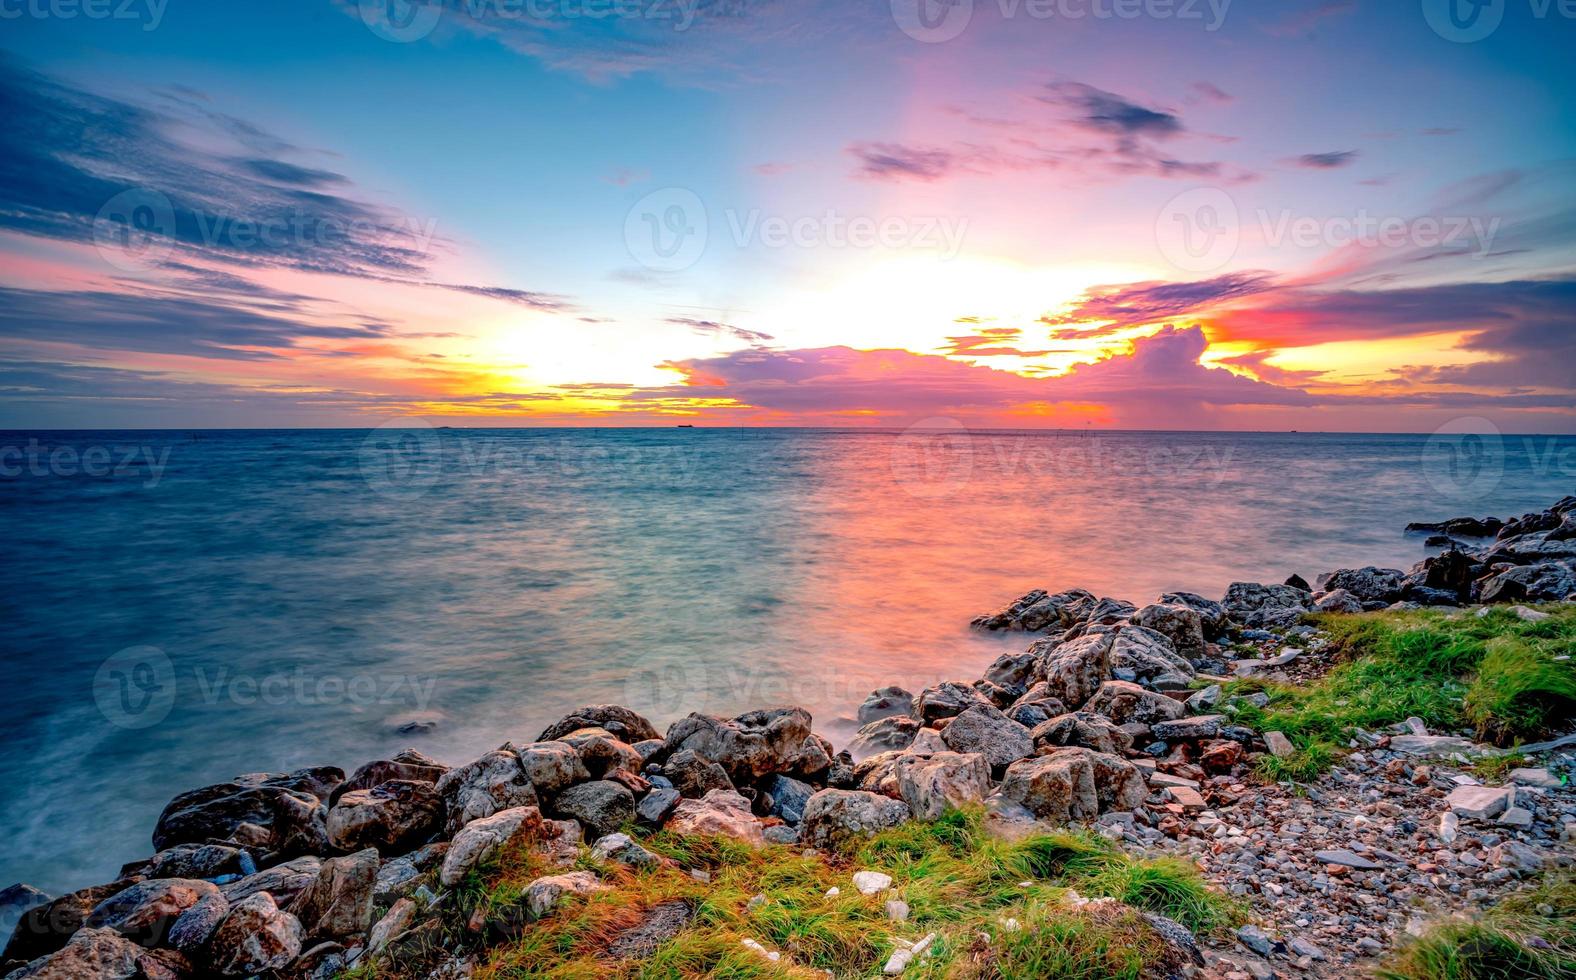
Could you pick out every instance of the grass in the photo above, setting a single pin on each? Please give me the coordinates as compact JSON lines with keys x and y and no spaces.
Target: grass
{"x":1496,"y":675}
{"x":1531,"y":935}
{"x":958,"y":880}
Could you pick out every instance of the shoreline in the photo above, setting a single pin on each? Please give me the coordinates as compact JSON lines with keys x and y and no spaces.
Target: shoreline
{"x":1114,"y":710}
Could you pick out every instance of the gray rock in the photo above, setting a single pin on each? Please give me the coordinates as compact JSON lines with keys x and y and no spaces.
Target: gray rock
{"x":946,"y":700}
{"x":481,"y":839}
{"x":492,"y":783}
{"x":656,"y":806}
{"x":145,"y":911}
{"x":602,"y":805}
{"x":338,"y":904}
{"x":885,"y":735}
{"x":834,"y":816}
{"x":1180,"y":624}
{"x":931,"y":785}
{"x":789,"y":797}
{"x":755,"y":744}
{"x":1347,"y":859}
{"x":886,"y":702}
{"x":1188,"y":729}
{"x":626,"y":725}
{"x":1123,"y":702}
{"x":985,"y":730}
{"x":1082,"y":728}
{"x":256,"y":936}
{"x":1480,"y":802}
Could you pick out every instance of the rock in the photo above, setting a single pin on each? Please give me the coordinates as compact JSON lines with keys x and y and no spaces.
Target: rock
{"x":905,"y":953}
{"x":694,"y":775}
{"x":788,"y":796}
{"x":1186,"y":797}
{"x":1528,"y":615}
{"x":283,"y":882}
{"x":492,"y":783}
{"x":755,"y":744}
{"x":544,"y":894}
{"x":1535,"y":777}
{"x":871,"y":882}
{"x":145,"y":911}
{"x":482,"y":838}
{"x":834,"y":816}
{"x":781,"y":834}
{"x":1189,"y":729}
{"x":393,"y":817}
{"x":1337,"y":601}
{"x":1147,"y":657}
{"x":655,"y":807}
{"x":946,"y":700}
{"x":718,"y":812}
{"x":1058,"y":786}
{"x":396,"y":921}
{"x":1181,"y":625}
{"x":1254,"y":938}
{"x":1548,"y":581}
{"x":878,"y":774}
{"x":1122,"y":702}
{"x":197,"y":924}
{"x":658,"y":924}
{"x":1347,"y":859}
{"x":338,"y":904}
{"x":1220,"y":756}
{"x":397,"y":877}
{"x":1516,"y":816}
{"x":1212,"y":614}
{"x":886,"y":735}
{"x":15,"y":902}
{"x":931,"y":785}
{"x":896,"y":910}
{"x":325,"y":961}
{"x":91,"y":954}
{"x":1109,"y":612}
{"x":1072,"y":671}
{"x":255,"y":936}
{"x":886,"y":702}
{"x":1367,"y":584}
{"x":274,"y":818}
{"x":1449,"y":825}
{"x":927,"y":741}
{"x":1278,"y":744}
{"x":623,"y":849}
{"x":1256,"y":605}
{"x":1302,"y":947}
{"x":1031,"y":713}
{"x":602,"y":805}
{"x":1204,"y":701}
{"x":625,"y":725}
{"x":550,"y":766}
{"x":1515,"y":855}
{"x":1432,"y":746}
{"x":196,"y":861}
{"x":1480,"y":802}
{"x":1083,"y":728}
{"x":415,"y":767}
{"x":1012,"y":672}
{"x":1037,"y":611}
{"x":985,"y":730}
{"x":603,"y":754}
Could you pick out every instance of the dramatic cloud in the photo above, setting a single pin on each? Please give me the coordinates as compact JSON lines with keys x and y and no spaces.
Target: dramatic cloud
{"x":1120,"y":306}
{"x":1107,"y":112}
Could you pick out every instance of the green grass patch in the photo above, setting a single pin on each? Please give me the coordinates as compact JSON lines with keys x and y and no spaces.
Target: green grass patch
{"x":1531,"y":935}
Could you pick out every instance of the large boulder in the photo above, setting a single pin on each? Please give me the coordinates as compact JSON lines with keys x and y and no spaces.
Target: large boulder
{"x":1452,"y":571}
{"x":603,"y":753}
{"x":338,"y":904}
{"x":274,"y":818}
{"x":1013,"y":672}
{"x":1058,"y":786}
{"x":46,"y":927}
{"x":191,"y":861}
{"x":282,"y":881}
{"x":1147,"y":657}
{"x":930,"y":785}
{"x":1109,"y":612}
{"x":544,"y":894}
{"x":985,"y":730}
{"x":255,"y":937}
{"x":946,"y":700}
{"x":1081,"y":728}
{"x":92,"y":954}
{"x":1549,"y":581}
{"x":145,"y":912}
{"x":1039,"y":610}
{"x":1073,"y":670}
{"x":1337,"y":601}
{"x":393,"y":817}
{"x":624,"y":724}
{"x":787,"y":797}
{"x":1181,"y":625}
{"x":492,"y":783}
{"x":885,"y":735}
{"x":835,"y":816}
{"x":718,"y":812}
{"x":1212,"y":615}
{"x":1368,"y":584}
{"x":408,"y":764}
{"x":601,"y":805}
{"x":196,"y":925}
{"x":886,"y":702}
{"x":551,"y":766}
{"x":694,"y":775}
{"x":1124,"y":703}
{"x":1256,"y":605}
{"x":484,"y":837}
{"x":755,"y":744}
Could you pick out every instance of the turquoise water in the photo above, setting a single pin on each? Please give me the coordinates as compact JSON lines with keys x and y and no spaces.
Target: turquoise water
{"x":180,"y":608}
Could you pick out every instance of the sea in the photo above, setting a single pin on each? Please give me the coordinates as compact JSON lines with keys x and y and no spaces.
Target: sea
{"x":181,"y":607}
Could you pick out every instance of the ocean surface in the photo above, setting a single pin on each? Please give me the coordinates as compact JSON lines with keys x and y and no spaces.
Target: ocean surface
{"x":183,"y":607}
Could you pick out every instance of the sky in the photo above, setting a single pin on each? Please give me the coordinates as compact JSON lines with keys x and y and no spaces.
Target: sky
{"x":1182,"y":214}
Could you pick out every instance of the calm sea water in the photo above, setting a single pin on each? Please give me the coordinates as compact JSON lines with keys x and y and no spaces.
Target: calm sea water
{"x":180,"y":608}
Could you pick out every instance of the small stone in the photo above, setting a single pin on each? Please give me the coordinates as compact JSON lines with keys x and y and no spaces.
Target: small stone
{"x":897,"y":910}
{"x":872,"y":882}
{"x":1346,"y":859}
{"x":1516,"y":817}
{"x":1254,"y":938}
{"x":1301,"y":947}
{"x":1279,"y":745}
{"x":1449,"y":823}
{"x":1535,"y":777}
{"x":1480,"y":802}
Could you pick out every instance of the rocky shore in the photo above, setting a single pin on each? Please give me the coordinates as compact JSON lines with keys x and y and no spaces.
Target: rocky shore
{"x":1132,"y":720}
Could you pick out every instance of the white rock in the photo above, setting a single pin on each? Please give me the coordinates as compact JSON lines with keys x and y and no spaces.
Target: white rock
{"x":760,"y":950}
{"x":1449,"y":823}
{"x":897,"y":910}
{"x":833,"y":892}
{"x":871,"y":882}
{"x":1535,"y":777}
{"x":481,"y":838}
{"x":1480,"y":802}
